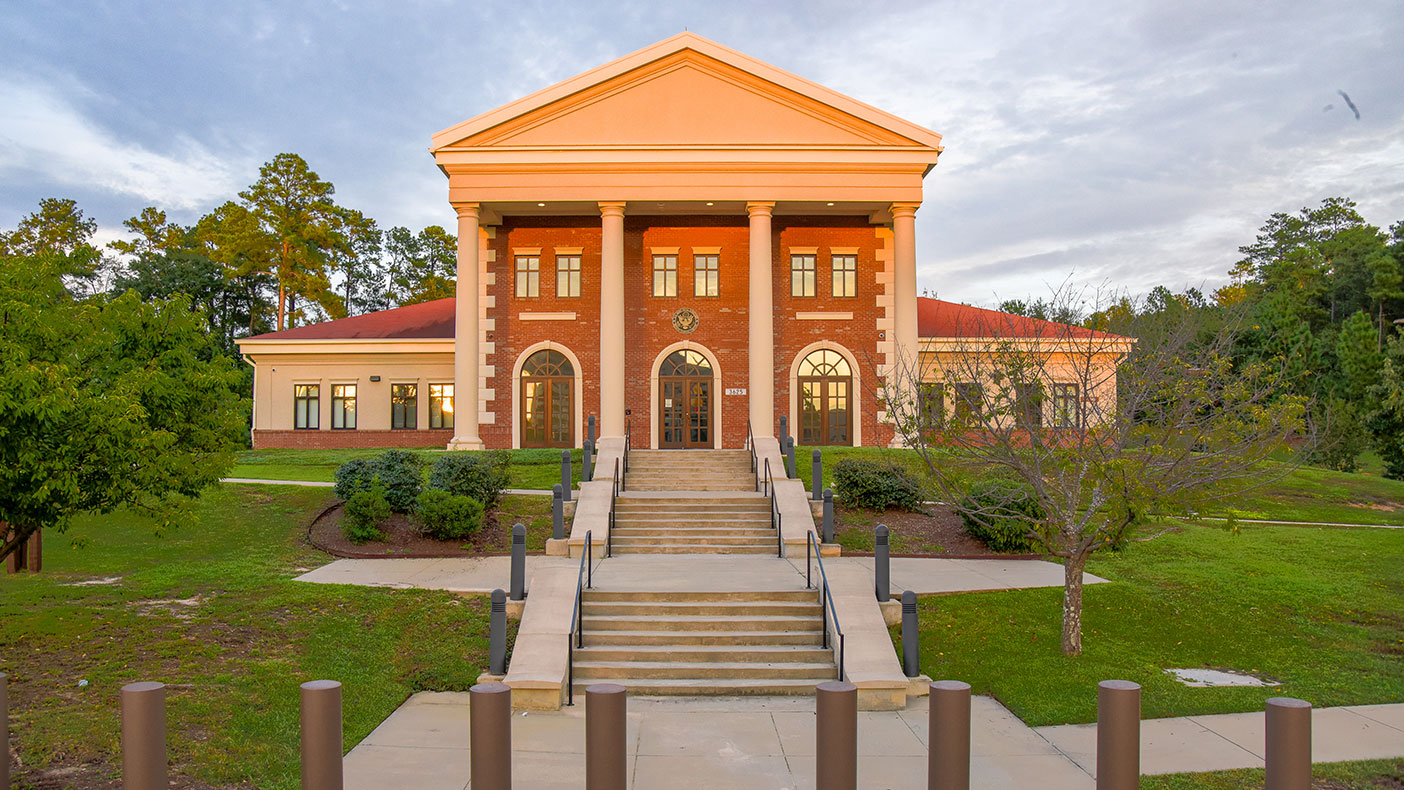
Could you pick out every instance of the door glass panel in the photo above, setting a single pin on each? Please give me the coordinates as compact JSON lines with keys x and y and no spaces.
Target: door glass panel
{"x":560,"y":413}
{"x":700,"y":405}
{"x":809,"y":413}
{"x":837,"y":408}
{"x":533,"y":414}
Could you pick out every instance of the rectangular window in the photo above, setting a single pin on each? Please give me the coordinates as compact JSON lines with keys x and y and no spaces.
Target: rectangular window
{"x":704,"y":269}
{"x":440,"y":405}
{"x":845,"y":275}
{"x":568,"y":275}
{"x":404,"y":407}
{"x":968,"y":404}
{"x":1031,"y":405}
{"x":1066,"y":413}
{"x":665,"y":275}
{"x":802,"y":275}
{"x":344,"y":406}
{"x":932,"y":406}
{"x":528,"y":276}
{"x":307,"y":406}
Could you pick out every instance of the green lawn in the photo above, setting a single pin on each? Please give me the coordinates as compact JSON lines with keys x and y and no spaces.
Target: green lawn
{"x":210,"y":608}
{"x":1361,"y":775}
{"x":1321,"y":610}
{"x":530,"y":468}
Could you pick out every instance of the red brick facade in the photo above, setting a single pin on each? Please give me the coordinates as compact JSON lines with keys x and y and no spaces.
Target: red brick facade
{"x":324,"y":439}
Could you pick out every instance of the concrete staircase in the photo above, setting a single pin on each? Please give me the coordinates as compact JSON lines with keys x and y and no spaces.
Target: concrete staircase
{"x":693,"y":524}
{"x":690,"y":470}
{"x":704,"y":643}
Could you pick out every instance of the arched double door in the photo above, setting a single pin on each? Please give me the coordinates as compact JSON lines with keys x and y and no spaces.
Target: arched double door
{"x":825,"y":382}
{"x":685,"y":401}
{"x":548,"y":381}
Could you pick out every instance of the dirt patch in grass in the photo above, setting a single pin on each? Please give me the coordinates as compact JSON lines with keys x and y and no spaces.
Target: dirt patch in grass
{"x":403,"y":538}
{"x":937,"y":532}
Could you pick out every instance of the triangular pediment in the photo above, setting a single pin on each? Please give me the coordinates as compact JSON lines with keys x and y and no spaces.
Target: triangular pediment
{"x":685,"y":92}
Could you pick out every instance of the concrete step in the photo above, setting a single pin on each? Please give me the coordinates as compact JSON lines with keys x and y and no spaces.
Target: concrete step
{"x":639,"y":473}
{"x":708,"y":654}
{"x":655,"y":526}
{"x":697,"y":548}
{"x":673,"y":484}
{"x":685,"y":456}
{"x":634,"y":541}
{"x":676,"y":622}
{"x":681,"y":596}
{"x":695,"y":534}
{"x":736,"y":687}
{"x":742,"y":501}
{"x":679,"y":670}
{"x":715,"y":609}
{"x":711,"y":512}
{"x":673,"y":639}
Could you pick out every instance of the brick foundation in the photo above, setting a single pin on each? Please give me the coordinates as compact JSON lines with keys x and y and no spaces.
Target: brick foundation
{"x":358,"y":438}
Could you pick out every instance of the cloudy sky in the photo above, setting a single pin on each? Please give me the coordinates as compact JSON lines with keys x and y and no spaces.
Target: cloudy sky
{"x":1128,"y":143}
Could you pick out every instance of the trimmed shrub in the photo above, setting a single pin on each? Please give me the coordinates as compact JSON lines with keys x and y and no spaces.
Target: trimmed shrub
{"x":399,"y":472}
{"x":445,"y":516}
{"x":875,"y":485}
{"x":477,"y":475}
{"x":352,"y":477}
{"x":1001,"y":513}
{"x":365,"y":511}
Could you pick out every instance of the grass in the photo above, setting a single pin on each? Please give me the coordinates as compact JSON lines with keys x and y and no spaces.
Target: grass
{"x":538,"y":469}
{"x":211,"y":609}
{"x":1321,"y":610}
{"x":1356,"y":775}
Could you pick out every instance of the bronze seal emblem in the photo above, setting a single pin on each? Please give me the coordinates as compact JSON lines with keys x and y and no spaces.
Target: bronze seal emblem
{"x":685,"y":320}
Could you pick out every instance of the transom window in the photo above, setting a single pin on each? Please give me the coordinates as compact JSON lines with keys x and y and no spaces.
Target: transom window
{"x":306,"y":408}
{"x":568,"y":275}
{"x":685,"y":363}
{"x":802,"y":275}
{"x":704,"y":270}
{"x":665,"y":275}
{"x":343,"y":407}
{"x":440,"y":405}
{"x":404,"y":407}
{"x":528,"y":276}
{"x":845,"y":275}
{"x":1066,"y":413}
{"x":824,"y":362}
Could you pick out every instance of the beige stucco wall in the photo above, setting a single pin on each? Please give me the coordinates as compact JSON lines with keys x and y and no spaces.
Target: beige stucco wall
{"x":1094,"y":371}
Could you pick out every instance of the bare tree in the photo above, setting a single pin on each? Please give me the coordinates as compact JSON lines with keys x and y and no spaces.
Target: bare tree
{"x":1090,"y":431}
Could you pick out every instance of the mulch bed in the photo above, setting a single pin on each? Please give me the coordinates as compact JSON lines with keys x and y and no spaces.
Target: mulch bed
{"x":402,"y":538}
{"x":938,"y":532}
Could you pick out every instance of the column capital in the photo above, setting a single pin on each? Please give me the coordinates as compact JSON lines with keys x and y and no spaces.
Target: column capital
{"x":467,"y":209}
{"x":905,"y":209}
{"x":611,"y":208}
{"x":761,"y":207}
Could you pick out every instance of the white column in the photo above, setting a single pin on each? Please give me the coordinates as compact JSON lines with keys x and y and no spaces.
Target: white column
{"x":465,"y":333}
{"x":761,"y":313}
{"x":612,"y":319}
{"x":905,"y":361}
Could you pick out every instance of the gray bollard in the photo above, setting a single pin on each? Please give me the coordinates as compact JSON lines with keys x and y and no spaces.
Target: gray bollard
{"x":321,"y":735}
{"x":606,"y":716}
{"x":828,"y":521}
{"x":882,"y":564}
{"x":1288,"y":743}
{"x":948,"y":728}
{"x":490,"y":736}
{"x":565,"y":475}
{"x":590,"y":429}
{"x":791,"y":470}
{"x":836,"y":736}
{"x":557,"y":512}
{"x":4,"y":730}
{"x":518,"y":581}
{"x":587,"y":466}
{"x":1118,"y":735}
{"x":144,"y":736}
{"x":911,"y":640}
{"x":816,"y":474}
{"x":497,"y":633}
{"x":784,"y":429}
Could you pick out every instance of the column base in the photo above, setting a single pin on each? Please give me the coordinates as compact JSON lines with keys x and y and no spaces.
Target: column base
{"x":465,"y":444}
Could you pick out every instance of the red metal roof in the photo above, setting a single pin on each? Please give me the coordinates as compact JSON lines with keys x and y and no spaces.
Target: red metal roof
{"x":426,"y":320}
{"x":940,"y":319}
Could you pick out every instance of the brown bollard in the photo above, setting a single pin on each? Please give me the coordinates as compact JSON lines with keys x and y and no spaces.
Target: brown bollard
{"x":836,"y":736}
{"x":490,"y":736}
{"x":1118,"y":735}
{"x":606,"y":717}
{"x":4,"y":730}
{"x":321,"y":735}
{"x":948,"y":732}
{"x":1288,"y":744}
{"x":144,"y":736}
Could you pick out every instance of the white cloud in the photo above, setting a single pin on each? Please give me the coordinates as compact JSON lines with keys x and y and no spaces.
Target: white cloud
{"x":45,"y":136}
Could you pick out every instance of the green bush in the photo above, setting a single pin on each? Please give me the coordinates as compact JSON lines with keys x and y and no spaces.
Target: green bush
{"x":1001,"y":513}
{"x":875,"y":485}
{"x":364,"y":513}
{"x":399,"y":472}
{"x":445,"y":516}
{"x":478,"y":475}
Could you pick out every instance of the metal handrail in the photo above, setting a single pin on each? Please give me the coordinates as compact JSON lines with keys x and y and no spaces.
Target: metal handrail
{"x":777,"y":519}
{"x":628,"y":445}
{"x":751,"y":445}
{"x":811,"y":548}
{"x":577,"y":622}
{"x":613,"y":500}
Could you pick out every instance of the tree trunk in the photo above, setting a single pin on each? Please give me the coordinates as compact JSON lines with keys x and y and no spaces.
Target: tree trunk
{"x":280,"y":305}
{"x":1072,"y":605}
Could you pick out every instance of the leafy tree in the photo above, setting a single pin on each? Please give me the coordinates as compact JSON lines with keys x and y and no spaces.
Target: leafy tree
{"x":363,"y":273}
{"x":1386,"y":422}
{"x":422,"y":267}
{"x":60,"y":232}
{"x":154,"y":235}
{"x":1357,"y":357}
{"x":233,"y":237}
{"x":1386,"y":285}
{"x":104,"y":403}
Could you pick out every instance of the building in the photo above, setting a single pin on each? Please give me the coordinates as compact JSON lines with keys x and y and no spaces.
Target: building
{"x":686,"y":242}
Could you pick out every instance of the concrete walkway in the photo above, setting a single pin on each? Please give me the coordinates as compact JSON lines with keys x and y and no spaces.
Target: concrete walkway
{"x":760,"y":743}
{"x":455,"y":574}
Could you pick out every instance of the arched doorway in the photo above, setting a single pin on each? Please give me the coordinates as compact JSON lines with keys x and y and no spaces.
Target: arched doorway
{"x":547,"y":381}
{"x":685,"y":401}
{"x":825,"y":382}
